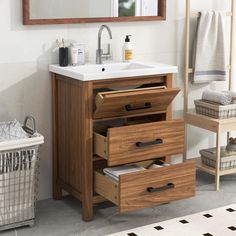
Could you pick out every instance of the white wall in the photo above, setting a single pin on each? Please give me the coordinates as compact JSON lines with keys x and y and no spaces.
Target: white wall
{"x":26,"y":52}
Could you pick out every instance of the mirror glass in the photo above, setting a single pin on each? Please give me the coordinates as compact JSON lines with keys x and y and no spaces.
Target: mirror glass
{"x":63,"y":9}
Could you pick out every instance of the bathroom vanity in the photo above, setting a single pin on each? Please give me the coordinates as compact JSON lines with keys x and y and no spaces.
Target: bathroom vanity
{"x":112,"y":115}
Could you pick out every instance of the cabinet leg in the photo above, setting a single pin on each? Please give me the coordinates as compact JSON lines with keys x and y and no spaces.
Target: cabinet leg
{"x":87,"y":211}
{"x":57,"y":192}
{"x":87,"y":151}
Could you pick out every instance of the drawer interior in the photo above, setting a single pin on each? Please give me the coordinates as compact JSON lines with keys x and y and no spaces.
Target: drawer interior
{"x":147,"y":187}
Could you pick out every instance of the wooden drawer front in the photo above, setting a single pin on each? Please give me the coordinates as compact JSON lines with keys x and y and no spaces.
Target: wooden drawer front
{"x":149,"y":187}
{"x":141,"y":142}
{"x":132,"y":102}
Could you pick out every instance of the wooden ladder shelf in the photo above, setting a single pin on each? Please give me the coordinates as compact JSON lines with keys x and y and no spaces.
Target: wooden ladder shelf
{"x":218,"y":126}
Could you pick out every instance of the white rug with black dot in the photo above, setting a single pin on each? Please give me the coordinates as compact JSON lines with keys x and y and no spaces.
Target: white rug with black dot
{"x":216,"y":222}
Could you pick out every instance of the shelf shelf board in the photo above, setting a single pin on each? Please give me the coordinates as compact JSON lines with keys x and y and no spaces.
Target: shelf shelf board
{"x":211,"y":124}
{"x":211,"y":170}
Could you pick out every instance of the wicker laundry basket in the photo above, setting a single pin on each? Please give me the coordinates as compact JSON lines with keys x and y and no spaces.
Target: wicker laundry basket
{"x":18,"y":180}
{"x":215,"y":110}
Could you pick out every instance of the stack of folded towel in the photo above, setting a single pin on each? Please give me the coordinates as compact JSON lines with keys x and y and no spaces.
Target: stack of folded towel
{"x":115,"y":172}
{"x":222,"y":98}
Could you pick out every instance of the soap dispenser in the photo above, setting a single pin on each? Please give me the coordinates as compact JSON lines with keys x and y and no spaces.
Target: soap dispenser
{"x":127,"y":50}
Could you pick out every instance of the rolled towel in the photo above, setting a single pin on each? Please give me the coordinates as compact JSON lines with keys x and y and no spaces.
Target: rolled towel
{"x":223,"y":98}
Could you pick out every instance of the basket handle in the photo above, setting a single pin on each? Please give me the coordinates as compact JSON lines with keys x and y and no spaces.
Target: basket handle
{"x":29,"y":129}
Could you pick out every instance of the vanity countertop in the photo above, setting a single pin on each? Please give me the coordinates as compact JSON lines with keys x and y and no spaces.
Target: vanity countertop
{"x":114,"y":70}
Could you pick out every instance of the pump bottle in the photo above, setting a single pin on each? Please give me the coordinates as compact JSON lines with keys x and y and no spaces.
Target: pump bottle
{"x":127,"y":50}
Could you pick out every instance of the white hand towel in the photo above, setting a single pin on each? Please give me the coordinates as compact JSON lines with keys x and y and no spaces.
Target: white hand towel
{"x":209,"y":56}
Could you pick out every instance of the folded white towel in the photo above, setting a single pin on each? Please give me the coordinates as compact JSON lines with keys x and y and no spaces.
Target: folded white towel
{"x":115,"y":172}
{"x":209,"y":53}
{"x":223,"y":98}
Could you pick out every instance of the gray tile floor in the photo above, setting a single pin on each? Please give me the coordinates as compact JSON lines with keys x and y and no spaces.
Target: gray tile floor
{"x":63,"y":218}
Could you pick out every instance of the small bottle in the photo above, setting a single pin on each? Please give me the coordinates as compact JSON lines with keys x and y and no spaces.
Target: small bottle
{"x":81,"y":54}
{"x":74,"y":54}
{"x":127,"y":50}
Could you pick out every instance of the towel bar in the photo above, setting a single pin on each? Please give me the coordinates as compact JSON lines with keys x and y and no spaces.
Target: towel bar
{"x":197,"y":14}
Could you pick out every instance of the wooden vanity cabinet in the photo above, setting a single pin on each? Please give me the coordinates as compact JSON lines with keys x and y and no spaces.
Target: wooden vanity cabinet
{"x":80,"y":152}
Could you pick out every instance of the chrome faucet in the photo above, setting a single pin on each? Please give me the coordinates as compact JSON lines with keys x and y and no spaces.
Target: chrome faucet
{"x":99,"y":53}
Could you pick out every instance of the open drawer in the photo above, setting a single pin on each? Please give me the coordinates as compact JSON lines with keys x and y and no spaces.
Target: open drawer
{"x":148,"y":187}
{"x":132,"y":102}
{"x":134,"y":143}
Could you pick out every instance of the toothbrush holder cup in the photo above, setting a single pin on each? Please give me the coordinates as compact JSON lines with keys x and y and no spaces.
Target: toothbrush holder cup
{"x":63,"y":56}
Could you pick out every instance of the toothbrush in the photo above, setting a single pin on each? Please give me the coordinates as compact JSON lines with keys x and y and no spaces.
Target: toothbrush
{"x":63,"y":43}
{"x":58,"y":44}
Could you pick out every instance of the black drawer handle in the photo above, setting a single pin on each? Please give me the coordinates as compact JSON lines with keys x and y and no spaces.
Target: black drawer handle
{"x":161,"y":189}
{"x":129,"y":107}
{"x":156,"y":142}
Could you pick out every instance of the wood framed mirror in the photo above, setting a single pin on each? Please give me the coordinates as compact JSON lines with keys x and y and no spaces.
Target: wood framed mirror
{"x":44,"y":12}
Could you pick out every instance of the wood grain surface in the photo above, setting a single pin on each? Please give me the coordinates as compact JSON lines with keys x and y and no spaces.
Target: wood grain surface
{"x":130,"y":193}
{"x":122,"y":141}
{"x":113,"y":104}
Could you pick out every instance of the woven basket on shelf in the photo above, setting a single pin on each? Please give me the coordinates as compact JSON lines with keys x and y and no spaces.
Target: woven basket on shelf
{"x":215,"y":110}
{"x":225,"y":163}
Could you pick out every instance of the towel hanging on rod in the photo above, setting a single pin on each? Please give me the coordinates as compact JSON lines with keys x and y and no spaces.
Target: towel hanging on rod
{"x":209,"y":52}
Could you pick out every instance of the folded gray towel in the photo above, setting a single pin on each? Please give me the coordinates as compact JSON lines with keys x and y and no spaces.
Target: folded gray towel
{"x":223,"y":98}
{"x":209,"y":57}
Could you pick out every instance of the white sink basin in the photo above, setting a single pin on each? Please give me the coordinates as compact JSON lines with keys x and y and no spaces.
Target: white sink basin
{"x":107,"y":68}
{"x":112,"y":70}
